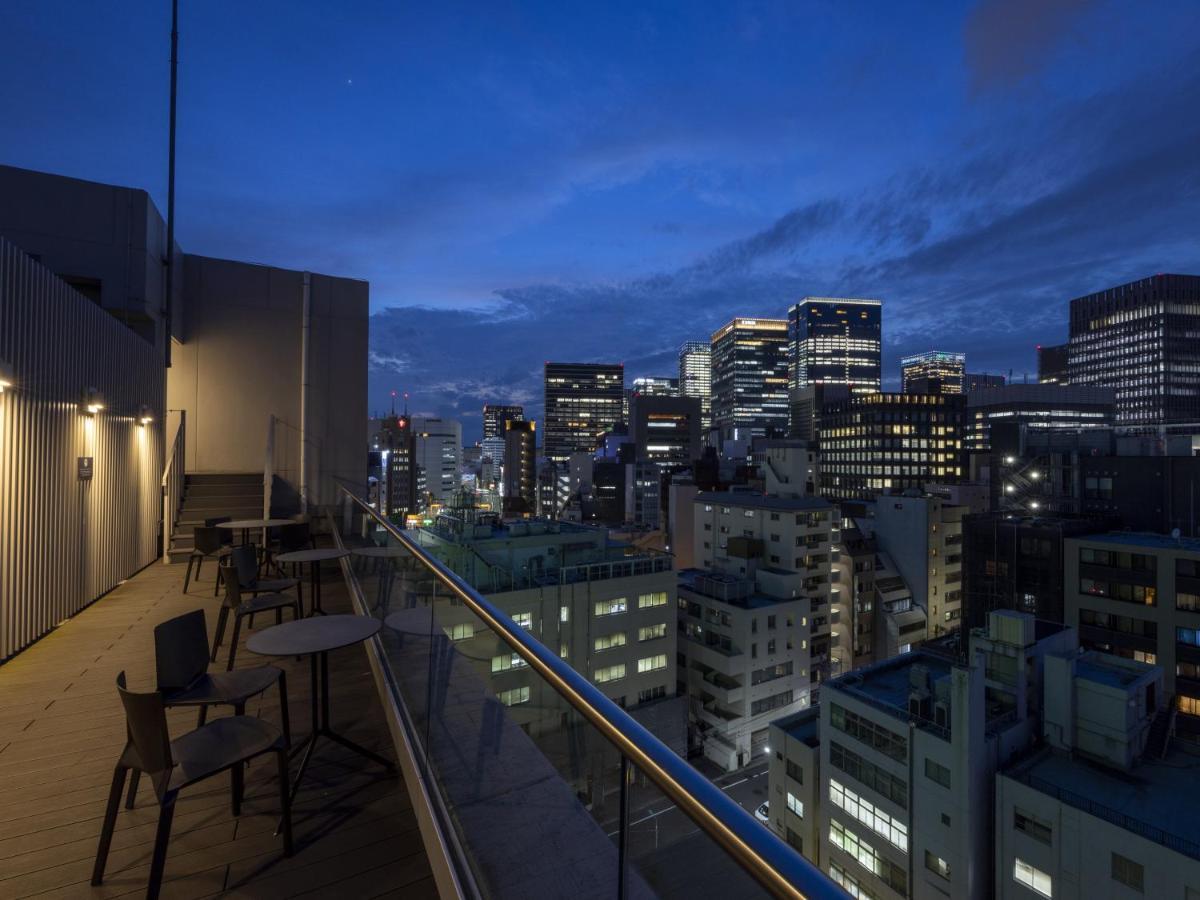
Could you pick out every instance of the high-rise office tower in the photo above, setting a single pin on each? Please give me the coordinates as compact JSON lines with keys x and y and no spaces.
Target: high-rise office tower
{"x":439,"y":456}
{"x":695,"y":378}
{"x":1143,"y":339}
{"x":520,"y":467}
{"x":933,"y":372}
{"x":1052,"y":364}
{"x":835,"y":340}
{"x":398,"y":448}
{"x":495,"y":415}
{"x":749,"y":378}
{"x":583,"y":401}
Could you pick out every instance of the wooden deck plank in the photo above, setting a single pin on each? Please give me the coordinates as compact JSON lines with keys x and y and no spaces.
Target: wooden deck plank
{"x":62,"y":729}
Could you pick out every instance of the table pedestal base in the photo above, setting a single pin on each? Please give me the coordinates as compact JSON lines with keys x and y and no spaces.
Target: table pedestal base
{"x":321,"y":727}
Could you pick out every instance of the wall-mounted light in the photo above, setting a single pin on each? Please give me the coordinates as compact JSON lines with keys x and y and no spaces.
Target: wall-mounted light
{"x":145,"y":415}
{"x":92,"y":401}
{"x":6,"y":376}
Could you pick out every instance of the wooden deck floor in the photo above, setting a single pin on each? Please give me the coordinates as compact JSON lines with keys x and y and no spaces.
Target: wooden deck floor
{"x":62,"y":729}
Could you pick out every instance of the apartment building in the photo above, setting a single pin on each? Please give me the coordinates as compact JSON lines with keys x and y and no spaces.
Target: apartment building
{"x":1138,"y":596}
{"x":1107,"y":807}
{"x":923,"y":536}
{"x":754,"y":617}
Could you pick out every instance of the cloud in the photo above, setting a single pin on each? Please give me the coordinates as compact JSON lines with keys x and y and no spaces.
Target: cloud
{"x":978,"y":252}
{"x":1006,"y":41}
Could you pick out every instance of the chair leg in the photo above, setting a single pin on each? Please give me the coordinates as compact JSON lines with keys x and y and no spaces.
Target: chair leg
{"x":279,"y":615}
{"x":251,"y":621}
{"x":285,"y":801}
{"x":200,"y":719}
{"x":134,"y":779}
{"x":233,"y":644}
{"x":110,"y":821}
{"x":162,"y":837}
{"x":222,"y":620}
{"x":284,"y":718}
{"x":237,"y":786}
{"x":199,"y":565}
{"x":187,"y":576}
{"x":220,"y":579}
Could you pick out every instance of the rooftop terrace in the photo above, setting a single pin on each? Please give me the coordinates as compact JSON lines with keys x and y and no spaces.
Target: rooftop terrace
{"x":62,"y":730}
{"x":1162,"y":791}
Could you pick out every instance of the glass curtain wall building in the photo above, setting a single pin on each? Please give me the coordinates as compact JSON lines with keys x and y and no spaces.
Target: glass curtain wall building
{"x":1143,"y":339}
{"x":933,"y":372}
{"x":750,"y":378}
{"x":583,"y":401}
{"x":833,"y":340}
{"x":695,"y":378}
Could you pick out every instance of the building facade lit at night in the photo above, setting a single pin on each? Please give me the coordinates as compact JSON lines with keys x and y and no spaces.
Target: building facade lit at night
{"x":495,"y":415}
{"x":583,"y":401}
{"x":1143,"y":339}
{"x":749,"y":378}
{"x":876,"y":442}
{"x":695,"y":378}
{"x":933,"y":372}
{"x":834,"y":340}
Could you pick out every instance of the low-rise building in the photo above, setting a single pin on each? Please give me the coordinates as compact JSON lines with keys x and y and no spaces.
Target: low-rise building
{"x":604,"y":607}
{"x":1107,"y":807}
{"x":888,"y":787}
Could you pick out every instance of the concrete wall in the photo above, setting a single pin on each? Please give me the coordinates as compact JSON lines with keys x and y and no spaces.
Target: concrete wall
{"x":64,"y":541}
{"x":240,"y":361}
{"x":108,"y":240}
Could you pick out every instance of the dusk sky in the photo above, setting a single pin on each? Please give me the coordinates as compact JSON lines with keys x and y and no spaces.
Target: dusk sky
{"x":523,"y":182}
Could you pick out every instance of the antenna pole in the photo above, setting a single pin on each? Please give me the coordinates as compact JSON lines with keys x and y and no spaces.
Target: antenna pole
{"x":170,"y":279}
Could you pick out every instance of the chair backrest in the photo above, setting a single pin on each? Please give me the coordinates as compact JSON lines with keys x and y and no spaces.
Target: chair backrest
{"x":146,"y":726}
{"x":181,"y":651}
{"x":207,"y":539}
{"x":296,"y":536}
{"x":245,"y":560}
{"x":233,"y":591}
{"x":217,"y":520}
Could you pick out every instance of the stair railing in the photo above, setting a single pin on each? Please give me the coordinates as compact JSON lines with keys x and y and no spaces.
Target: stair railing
{"x":173,"y":479}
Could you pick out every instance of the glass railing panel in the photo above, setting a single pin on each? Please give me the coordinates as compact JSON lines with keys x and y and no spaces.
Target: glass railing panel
{"x":668,"y":852}
{"x":523,"y":754}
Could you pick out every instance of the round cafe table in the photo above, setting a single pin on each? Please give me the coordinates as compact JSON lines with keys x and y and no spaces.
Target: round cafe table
{"x":314,"y":558}
{"x":315,"y":638}
{"x":246,"y":524}
{"x":389,"y":554}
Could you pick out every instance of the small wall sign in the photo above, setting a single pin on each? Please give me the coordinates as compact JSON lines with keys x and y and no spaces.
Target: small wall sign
{"x":84,"y":468}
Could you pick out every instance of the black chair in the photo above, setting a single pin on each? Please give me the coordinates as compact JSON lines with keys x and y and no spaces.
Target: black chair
{"x":240,"y":606}
{"x":181,"y":662}
{"x":224,"y":744}
{"x":207,"y":541}
{"x":243,"y":559}
{"x":291,"y":537}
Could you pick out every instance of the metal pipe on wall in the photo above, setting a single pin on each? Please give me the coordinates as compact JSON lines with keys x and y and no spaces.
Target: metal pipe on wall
{"x":305,"y":329}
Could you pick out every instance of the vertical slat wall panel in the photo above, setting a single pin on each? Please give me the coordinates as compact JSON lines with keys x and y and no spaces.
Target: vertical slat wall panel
{"x":63,"y":541}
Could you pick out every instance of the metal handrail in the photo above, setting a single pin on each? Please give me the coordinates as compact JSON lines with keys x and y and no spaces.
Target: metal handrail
{"x":773,"y":864}
{"x":172,"y":484}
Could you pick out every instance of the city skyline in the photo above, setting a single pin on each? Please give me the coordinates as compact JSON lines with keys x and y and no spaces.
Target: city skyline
{"x":607,"y":230}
